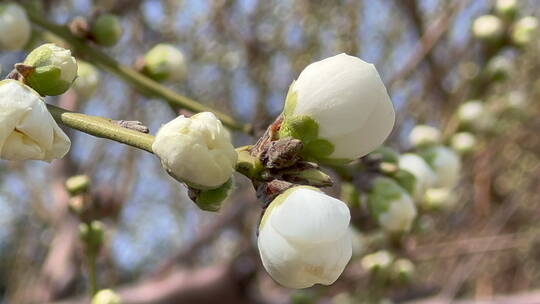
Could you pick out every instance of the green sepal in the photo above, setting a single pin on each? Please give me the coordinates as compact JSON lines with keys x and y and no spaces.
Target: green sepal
{"x":300,"y":127}
{"x":383,"y":192}
{"x":46,"y":81}
{"x":429,"y":155}
{"x":211,"y":200}
{"x":406,"y":180}
{"x":386,"y":154}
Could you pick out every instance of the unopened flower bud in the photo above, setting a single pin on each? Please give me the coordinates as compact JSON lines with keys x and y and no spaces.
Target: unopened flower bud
{"x":165,"y":62}
{"x":77,"y":184}
{"x":196,"y":150}
{"x":488,"y":28}
{"x":106,"y":296}
{"x":92,"y":235}
{"x":438,"y":198}
{"x":27,"y":129}
{"x":424,"y":135}
{"x":106,"y":30}
{"x":304,"y":238}
{"x":87,"y":81}
{"x":463,"y":142}
{"x":53,"y":69}
{"x":424,"y":175}
{"x":507,"y":9}
{"x":339,"y":108}
{"x":525,"y":31}
{"x":402,"y":270}
{"x":379,"y":261}
{"x":474,"y":115}
{"x":211,"y":200}
{"x":15,"y":28}
{"x":499,"y":68}
{"x":391,"y":205}
{"x":445,"y":163}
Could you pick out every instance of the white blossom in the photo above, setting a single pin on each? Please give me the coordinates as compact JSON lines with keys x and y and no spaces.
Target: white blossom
{"x":304,"y":238}
{"x":165,"y":62}
{"x":339,"y":108}
{"x":391,"y":205}
{"x":423,"y":135}
{"x":424,"y":175}
{"x":506,"y":8}
{"x":445,"y":163}
{"x":439,"y":198}
{"x":196,"y":150}
{"x":463,"y":142}
{"x":54,"y":69}
{"x":377,"y":261}
{"x":525,"y":30}
{"x":106,"y":296}
{"x":474,"y":114}
{"x":488,"y":28}
{"x":27,"y":129}
{"x":15,"y":28}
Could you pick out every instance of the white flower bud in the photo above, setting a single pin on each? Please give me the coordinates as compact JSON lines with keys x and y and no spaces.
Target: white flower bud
{"x":423,"y":135}
{"x":54,"y":69}
{"x":377,"y":261}
{"x":424,"y":175}
{"x":27,"y":129}
{"x":165,"y":62}
{"x":106,"y":296}
{"x":439,"y":198}
{"x":445,"y":163}
{"x":339,"y":108}
{"x":87,"y":81}
{"x":402,"y":269}
{"x":391,"y":205}
{"x":525,"y":30}
{"x":506,"y":8}
{"x":304,"y":238}
{"x":196,"y":150}
{"x":488,"y":28}
{"x":500,"y":67}
{"x":463,"y":142}
{"x":474,"y":114}
{"x":15,"y":28}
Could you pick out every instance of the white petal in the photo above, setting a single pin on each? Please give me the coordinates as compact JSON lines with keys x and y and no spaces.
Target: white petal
{"x":310,"y":216}
{"x":417,"y":166}
{"x":400,"y":214}
{"x":296,"y":265}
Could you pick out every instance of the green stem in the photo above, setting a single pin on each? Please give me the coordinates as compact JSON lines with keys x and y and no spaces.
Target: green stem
{"x":92,"y":273}
{"x":102,"y":127}
{"x":129,"y":75}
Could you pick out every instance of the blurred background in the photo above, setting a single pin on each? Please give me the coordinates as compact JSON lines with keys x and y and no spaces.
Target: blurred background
{"x":241,"y":57}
